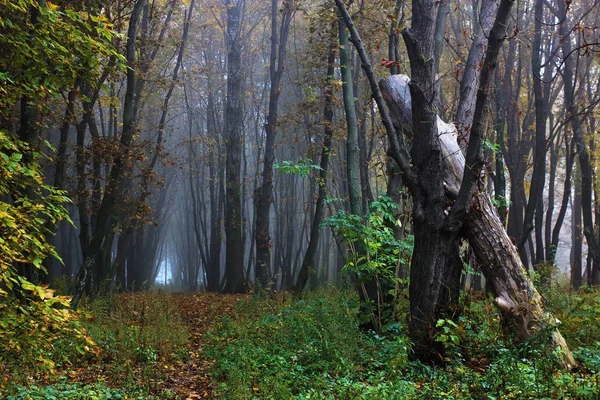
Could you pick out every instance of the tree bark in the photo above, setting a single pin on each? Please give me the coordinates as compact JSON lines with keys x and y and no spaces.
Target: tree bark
{"x":469,"y":82}
{"x":311,"y":251}
{"x":234,"y":225}
{"x":514,"y":294}
{"x":352,"y":154}
{"x":264,"y":194}
{"x":576,"y":234}
{"x":538,"y":177}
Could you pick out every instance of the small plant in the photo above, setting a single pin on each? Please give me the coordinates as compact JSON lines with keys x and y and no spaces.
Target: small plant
{"x":303,"y":167}
{"x":376,"y":256}
{"x":448,"y":335}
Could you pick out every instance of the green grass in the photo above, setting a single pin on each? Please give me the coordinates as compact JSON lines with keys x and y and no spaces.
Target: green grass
{"x":313,"y":348}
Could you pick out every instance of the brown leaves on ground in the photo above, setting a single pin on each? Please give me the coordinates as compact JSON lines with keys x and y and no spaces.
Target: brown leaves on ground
{"x":199,"y":312}
{"x":189,"y":376}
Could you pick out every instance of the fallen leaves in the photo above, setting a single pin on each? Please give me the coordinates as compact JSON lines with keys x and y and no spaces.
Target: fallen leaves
{"x":187,"y":373}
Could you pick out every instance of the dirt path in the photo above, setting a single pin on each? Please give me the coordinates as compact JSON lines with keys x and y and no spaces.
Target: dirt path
{"x":190,"y":378}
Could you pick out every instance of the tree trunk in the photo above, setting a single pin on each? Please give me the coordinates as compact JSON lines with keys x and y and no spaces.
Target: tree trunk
{"x":576,"y":234}
{"x":234,"y":250}
{"x":213,"y":269}
{"x":435,"y":255}
{"x":352,"y":154}
{"x":311,"y":251}
{"x":264,"y":194}
{"x":538,"y":178}
{"x":519,"y":302}
{"x":469,"y":83}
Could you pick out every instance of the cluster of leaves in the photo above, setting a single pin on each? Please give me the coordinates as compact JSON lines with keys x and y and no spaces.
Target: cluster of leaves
{"x":314,"y":349}
{"x":376,"y":254}
{"x":384,"y":254}
{"x":42,"y":52}
{"x":32,"y":318}
{"x":28,"y":209}
{"x":303,"y":167}
{"x":39,"y":59}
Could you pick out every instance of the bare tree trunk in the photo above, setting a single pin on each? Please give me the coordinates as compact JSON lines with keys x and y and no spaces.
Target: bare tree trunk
{"x":393,"y":36}
{"x":234,"y":257}
{"x":469,"y":83}
{"x":538,"y":177}
{"x":352,"y":155}
{"x":264,"y":194}
{"x":308,"y":264}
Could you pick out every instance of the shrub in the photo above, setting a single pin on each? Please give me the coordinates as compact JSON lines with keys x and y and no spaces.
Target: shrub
{"x":313,"y":349}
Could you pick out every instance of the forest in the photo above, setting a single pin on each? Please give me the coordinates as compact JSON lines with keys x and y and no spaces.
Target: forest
{"x":299,"y":199}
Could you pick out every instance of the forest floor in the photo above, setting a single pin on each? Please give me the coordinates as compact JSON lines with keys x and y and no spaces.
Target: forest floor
{"x":162,"y":346}
{"x":184,"y":377}
{"x":199,"y":311}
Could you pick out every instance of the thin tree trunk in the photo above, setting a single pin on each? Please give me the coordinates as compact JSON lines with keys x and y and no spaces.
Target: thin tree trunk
{"x":264,"y":195}
{"x":352,"y":155}
{"x":538,"y":178}
{"x":308,"y":265}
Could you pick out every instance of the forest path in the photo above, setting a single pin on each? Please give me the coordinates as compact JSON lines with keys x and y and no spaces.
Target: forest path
{"x":190,"y":379}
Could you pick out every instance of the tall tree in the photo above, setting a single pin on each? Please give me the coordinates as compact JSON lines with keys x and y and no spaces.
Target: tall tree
{"x":311,"y":251}
{"x":264,"y":194}
{"x":96,"y":266}
{"x":234,"y":221}
{"x":439,"y":171}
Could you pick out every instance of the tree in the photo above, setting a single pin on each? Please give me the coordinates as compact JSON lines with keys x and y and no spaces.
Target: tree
{"x":446,"y":194}
{"x":264,"y":193}
{"x":97,"y":265}
{"x":308,"y":263}
{"x":234,"y":221}
{"x":42,"y":50}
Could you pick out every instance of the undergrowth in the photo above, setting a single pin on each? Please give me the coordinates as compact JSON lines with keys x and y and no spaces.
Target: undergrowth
{"x":132,"y":334}
{"x":312,"y":348}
